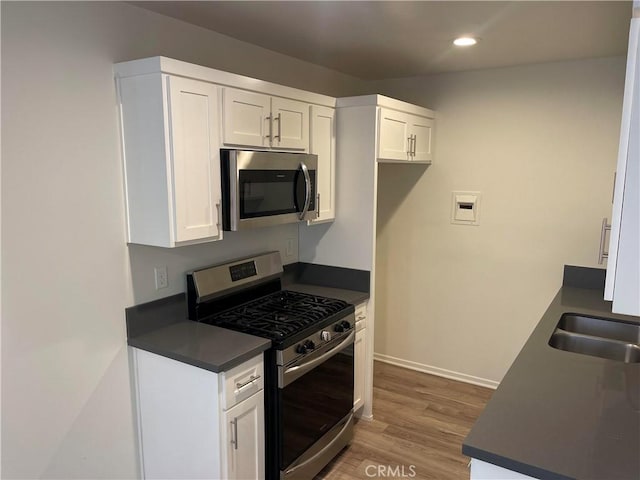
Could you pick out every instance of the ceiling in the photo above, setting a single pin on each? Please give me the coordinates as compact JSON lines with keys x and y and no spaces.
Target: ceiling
{"x":391,"y":39}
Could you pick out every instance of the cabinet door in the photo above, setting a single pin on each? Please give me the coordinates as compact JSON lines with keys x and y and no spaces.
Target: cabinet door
{"x":623,"y":266}
{"x":244,"y":442}
{"x":195,"y":150}
{"x":393,"y":136}
{"x":421,"y":128}
{"x":323,"y":144}
{"x":290,"y":124}
{"x":246,"y":119}
{"x":358,"y":369}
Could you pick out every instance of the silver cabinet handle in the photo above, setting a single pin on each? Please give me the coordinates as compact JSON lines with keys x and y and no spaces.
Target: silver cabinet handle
{"x":318,"y":204}
{"x":603,"y":238}
{"x":252,"y":378}
{"x":360,"y":318}
{"x":268,"y":119}
{"x":219,"y":214}
{"x":412,"y":146}
{"x":234,"y":433}
{"x":307,"y":190}
{"x":279,"y":120}
{"x":409,"y":140}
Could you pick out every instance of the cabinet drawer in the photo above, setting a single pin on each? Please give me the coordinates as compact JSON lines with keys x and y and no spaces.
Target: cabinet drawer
{"x":241,"y":382}
{"x":361,"y":316}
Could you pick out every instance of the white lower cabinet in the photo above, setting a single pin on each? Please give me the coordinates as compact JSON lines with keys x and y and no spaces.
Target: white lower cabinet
{"x":359,"y":357}
{"x":197,"y":424}
{"x":244,"y":458}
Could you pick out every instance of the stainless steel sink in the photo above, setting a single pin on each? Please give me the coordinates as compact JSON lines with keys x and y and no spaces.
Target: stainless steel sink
{"x":600,"y":327}
{"x":598,"y":337}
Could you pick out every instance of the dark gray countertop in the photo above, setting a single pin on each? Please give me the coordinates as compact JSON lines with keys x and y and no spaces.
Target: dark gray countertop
{"x":350,"y":296}
{"x":162,"y":327}
{"x":559,"y":415}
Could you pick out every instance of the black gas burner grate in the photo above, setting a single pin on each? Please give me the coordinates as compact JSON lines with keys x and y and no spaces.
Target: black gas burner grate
{"x":279,"y":315}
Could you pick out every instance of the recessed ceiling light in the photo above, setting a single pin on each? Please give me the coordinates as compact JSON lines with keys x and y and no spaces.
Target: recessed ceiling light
{"x":464,"y":41}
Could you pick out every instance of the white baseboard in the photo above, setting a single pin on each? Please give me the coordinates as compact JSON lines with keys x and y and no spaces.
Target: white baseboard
{"x":440,"y":372}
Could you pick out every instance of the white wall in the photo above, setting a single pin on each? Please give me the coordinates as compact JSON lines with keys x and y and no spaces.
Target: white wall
{"x":67,"y":274}
{"x":540,"y":143}
{"x":180,"y":260}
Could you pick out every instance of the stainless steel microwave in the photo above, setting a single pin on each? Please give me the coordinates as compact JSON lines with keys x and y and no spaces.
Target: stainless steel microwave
{"x":267,"y":188}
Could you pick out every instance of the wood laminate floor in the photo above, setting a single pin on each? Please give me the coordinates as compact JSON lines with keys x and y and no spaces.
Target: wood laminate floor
{"x":419,"y":422}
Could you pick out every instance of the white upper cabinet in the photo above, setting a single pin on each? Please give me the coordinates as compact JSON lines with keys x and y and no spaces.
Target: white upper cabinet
{"x":422,"y":130}
{"x":175,"y":117}
{"x":404,"y":137}
{"x":623,"y":266}
{"x":246,"y":118}
{"x":193,"y":112}
{"x":393,"y":138}
{"x":290,"y":120}
{"x":256,"y":120}
{"x":323,"y":144}
{"x":172,"y":159}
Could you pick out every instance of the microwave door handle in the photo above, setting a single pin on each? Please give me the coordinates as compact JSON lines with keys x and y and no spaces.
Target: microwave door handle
{"x":307,"y":190}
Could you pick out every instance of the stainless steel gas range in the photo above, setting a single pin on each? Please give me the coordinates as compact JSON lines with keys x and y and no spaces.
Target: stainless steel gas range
{"x":308,"y":370}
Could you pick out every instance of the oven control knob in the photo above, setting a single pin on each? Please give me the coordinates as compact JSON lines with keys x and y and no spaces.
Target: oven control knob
{"x":301,"y":349}
{"x":309,"y":345}
{"x":345,"y":324}
{"x":325,"y":336}
{"x":339,"y":327}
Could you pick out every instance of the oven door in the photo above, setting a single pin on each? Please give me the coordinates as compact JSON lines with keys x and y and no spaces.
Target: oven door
{"x":269,"y":188}
{"x":316,"y":398}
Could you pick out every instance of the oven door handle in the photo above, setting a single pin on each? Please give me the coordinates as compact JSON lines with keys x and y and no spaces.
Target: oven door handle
{"x":307,"y":190}
{"x":292,"y":373}
{"x":338,"y":438}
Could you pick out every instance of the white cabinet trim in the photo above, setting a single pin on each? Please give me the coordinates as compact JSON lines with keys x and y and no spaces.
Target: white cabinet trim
{"x":198,"y":72}
{"x":385,"y":102}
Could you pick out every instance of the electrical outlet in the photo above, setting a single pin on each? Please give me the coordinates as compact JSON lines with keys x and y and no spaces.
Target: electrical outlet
{"x":289,"y":249}
{"x":162,"y":278}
